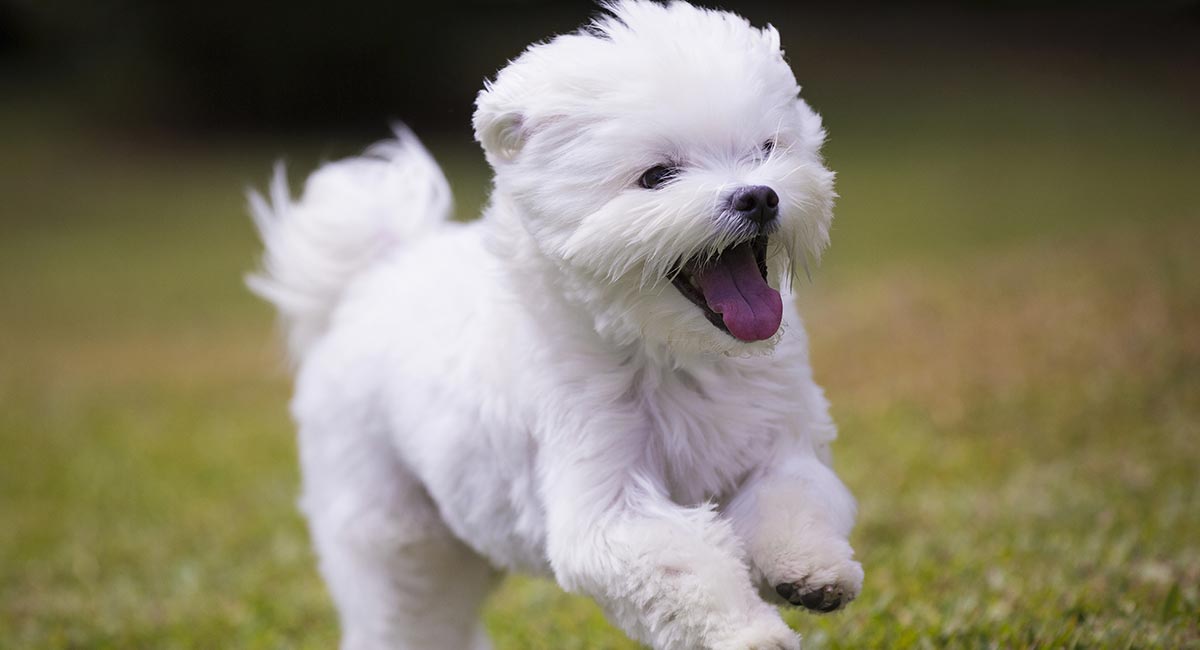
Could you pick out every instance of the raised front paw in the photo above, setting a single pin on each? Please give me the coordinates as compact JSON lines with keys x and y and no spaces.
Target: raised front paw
{"x":818,"y":575}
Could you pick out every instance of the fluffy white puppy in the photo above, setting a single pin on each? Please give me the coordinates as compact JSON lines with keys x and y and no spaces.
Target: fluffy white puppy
{"x":605,"y":379}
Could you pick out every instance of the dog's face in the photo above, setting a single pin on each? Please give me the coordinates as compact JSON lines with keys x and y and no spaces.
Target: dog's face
{"x":663,"y":159}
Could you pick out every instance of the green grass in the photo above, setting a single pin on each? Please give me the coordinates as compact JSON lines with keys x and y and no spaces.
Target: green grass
{"x":1008,"y":325}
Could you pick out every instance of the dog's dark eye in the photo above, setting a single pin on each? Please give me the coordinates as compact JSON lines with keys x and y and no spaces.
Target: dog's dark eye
{"x":768,"y":146}
{"x":657,"y":175}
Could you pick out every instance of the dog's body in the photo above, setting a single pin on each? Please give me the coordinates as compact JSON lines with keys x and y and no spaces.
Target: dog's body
{"x":529,"y":392}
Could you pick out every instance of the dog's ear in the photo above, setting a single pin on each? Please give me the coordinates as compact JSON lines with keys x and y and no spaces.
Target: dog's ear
{"x":499,"y":127}
{"x":501,"y":135}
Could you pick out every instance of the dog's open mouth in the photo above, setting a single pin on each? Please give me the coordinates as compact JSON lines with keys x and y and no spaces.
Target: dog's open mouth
{"x":731,"y":289}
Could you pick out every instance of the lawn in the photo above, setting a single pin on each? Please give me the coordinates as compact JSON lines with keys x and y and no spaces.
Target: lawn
{"x":1008,"y":325}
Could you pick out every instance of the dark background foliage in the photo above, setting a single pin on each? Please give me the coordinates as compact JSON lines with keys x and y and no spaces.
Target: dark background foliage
{"x":275,"y":65}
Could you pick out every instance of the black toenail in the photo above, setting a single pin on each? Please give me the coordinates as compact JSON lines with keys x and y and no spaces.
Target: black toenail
{"x":813,"y":600}
{"x":830,"y":606}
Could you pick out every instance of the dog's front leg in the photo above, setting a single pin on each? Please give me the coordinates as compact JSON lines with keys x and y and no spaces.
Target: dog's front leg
{"x":670,"y":576}
{"x":795,"y":519}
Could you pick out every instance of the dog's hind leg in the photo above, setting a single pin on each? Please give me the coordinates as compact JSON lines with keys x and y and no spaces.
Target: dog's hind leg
{"x":423,"y":595}
{"x":400,"y":580}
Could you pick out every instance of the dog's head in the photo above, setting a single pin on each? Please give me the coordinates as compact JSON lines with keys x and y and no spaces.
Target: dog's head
{"x":662,"y":157}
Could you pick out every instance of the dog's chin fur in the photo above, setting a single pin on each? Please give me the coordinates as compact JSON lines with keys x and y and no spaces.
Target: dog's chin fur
{"x":629,"y":311}
{"x":531,"y":391}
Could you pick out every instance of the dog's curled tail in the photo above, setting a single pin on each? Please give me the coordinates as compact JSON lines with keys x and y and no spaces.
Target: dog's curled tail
{"x":351,"y":211}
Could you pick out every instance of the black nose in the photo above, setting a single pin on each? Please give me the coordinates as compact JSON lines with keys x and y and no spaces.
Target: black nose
{"x":758,"y":203}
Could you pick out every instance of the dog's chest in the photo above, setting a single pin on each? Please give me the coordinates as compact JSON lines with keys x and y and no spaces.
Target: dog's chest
{"x":708,"y":431}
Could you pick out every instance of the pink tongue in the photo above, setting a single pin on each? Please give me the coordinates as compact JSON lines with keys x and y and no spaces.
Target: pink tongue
{"x":734,"y":288}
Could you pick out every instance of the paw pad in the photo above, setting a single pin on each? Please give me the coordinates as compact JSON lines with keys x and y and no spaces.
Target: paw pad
{"x":820,"y":599}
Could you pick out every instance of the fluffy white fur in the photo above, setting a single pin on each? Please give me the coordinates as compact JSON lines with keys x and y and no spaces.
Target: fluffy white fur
{"x":529,"y":392}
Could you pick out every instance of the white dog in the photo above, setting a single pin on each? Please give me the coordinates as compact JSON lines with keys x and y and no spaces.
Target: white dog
{"x":605,"y":379}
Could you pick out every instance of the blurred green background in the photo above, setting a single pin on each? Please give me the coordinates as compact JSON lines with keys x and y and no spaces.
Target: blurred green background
{"x":1007,"y":323}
